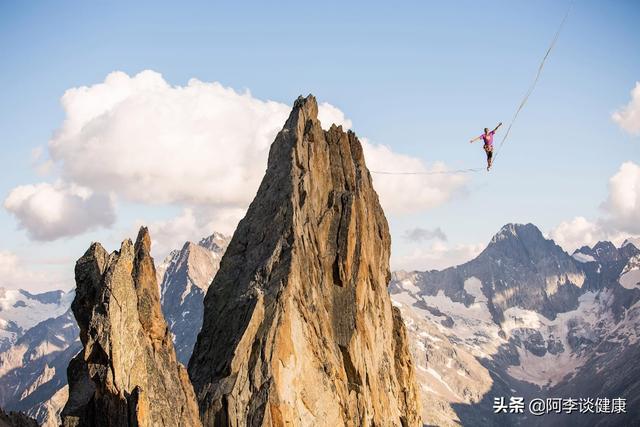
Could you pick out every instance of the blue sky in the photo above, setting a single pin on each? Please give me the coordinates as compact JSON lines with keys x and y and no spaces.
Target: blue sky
{"x":419,"y":77}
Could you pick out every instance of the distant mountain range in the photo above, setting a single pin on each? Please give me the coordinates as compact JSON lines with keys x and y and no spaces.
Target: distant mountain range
{"x":523,"y":318}
{"x":21,"y":310}
{"x":37,"y":347}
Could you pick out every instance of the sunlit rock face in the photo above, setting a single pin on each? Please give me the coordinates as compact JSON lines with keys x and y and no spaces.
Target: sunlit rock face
{"x":127,"y":373}
{"x":298,"y":326}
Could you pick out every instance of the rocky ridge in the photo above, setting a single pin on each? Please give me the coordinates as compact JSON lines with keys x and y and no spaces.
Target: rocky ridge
{"x":127,"y":372}
{"x":538,"y":321}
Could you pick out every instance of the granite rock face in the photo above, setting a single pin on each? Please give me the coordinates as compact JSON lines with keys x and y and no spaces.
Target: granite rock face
{"x":127,"y":373}
{"x":298,"y":325}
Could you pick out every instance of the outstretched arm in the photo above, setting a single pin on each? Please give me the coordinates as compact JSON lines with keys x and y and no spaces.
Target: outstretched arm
{"x":499,"y":124}
{"x":475,"y":139}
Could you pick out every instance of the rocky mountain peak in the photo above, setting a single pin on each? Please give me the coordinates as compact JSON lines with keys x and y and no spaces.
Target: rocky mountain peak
{"x":298,"y":324}
{"x":216,"y":242}
{"x":631,"y":241}
{"x":527,"y":235}
{"x":127,"y":373}
{"x":525,"y":244}
{"x":187,"y":276}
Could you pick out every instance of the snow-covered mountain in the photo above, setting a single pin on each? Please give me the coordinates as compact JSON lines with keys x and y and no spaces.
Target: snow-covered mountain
{"x":39,"y":335}
{"x":524,"y":318}
{"x":33,"y":371}
{"x":533,"y":319}
{"x":186,"y":276}
{"x":21,"y":310}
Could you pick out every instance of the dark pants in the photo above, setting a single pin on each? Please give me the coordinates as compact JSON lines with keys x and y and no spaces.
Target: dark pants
{"x":489,"y":150}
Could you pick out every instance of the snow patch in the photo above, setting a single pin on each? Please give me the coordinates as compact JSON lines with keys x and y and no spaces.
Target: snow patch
{"x":631,"y":279}
{"x":408,"y":285}
{"x":473,"y":286}
{"x":580,"y":257}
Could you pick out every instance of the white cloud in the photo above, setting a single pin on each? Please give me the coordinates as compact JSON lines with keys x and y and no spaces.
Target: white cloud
{"x":328,"y":114}
{"x":15,"y":275}
{"x":578,"y":232}
{"x":200,"y":144}
{"x":190,"y":225}
{"x":50,"y":211}
{"x":409,"y":193}
{"x":623,"y":203}
{"x":155,"y":143}
{"x":420,"y":234}
{"x":171,"y":234}
{"x":620,"y":219}
{"x":628,"y":117}
{"x":439,"y":255}
{"x":201,"y":147}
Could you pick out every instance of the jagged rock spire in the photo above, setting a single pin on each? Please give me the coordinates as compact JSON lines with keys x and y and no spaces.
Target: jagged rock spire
{"x":127,"y":373}
{"x":298,"y":327}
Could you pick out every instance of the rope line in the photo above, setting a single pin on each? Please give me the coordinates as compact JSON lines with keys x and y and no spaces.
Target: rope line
{"x":535,"y":81}
{"x":470,"y":170}
{"x":532,"y":87}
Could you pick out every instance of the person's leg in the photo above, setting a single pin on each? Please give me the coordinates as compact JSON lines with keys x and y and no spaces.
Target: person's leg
{"x":489,"y":151}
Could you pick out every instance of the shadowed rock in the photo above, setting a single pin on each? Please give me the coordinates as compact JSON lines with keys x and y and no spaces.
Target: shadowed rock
{"x":298,"y":325}
{"x":127,"y":373}
{"x":16,"y":419}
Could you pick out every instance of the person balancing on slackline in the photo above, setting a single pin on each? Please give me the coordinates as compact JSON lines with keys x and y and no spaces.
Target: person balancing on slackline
{"x":488,"y":143}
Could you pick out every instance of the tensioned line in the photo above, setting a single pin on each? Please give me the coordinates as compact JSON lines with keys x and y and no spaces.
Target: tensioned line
{"x":532,"y":87}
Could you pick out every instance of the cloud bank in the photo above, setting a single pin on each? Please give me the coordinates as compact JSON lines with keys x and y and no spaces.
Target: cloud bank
{"x":142,"y":140}
{"x":620,"y":219}
{"x":15,"y":275}
{"x":437,"y":256}
{"x":50,"y":211}
{"x":623,"y":202}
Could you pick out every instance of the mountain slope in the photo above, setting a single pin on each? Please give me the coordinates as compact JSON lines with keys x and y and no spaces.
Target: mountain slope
{"x":188,"y":272}
{"x":34,"y":368}
{"x":535,"y":318}
{"x":21,"y":310}
{"x":33,"y":374}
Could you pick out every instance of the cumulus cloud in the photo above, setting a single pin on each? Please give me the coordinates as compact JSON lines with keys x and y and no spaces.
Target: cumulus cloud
{"x":201,"y":143}
{"x":623,"y":202}
{"x":437,"y":256}
{"x":628,"y":117}
{"x":201,"y":146}
{"x":578,"y":232}
{"x":419,"y":234}
{"x":620,"y":219}
{"x":328,"y":114}
{"x":50,"y":211}
{"x":151,"y":142}
{"x":14,"y":274}
{"x":192,"y":224}
{"x":409,"y":193}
